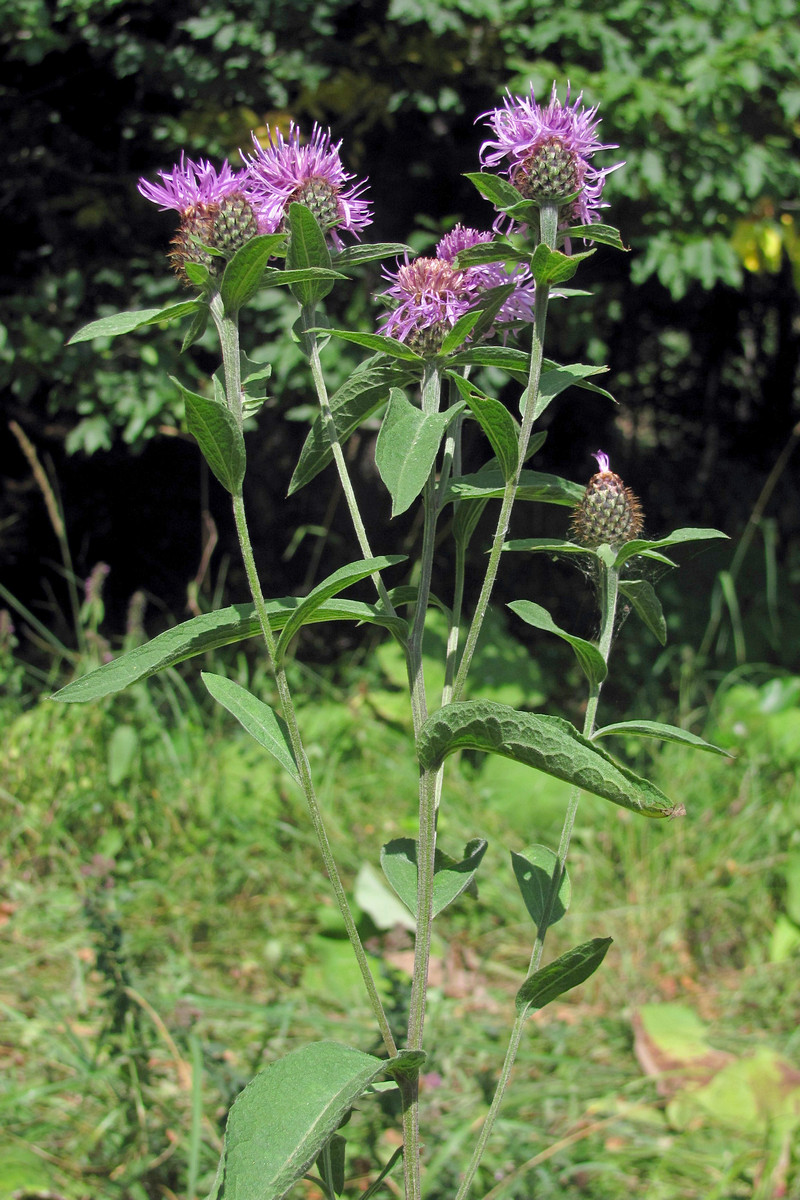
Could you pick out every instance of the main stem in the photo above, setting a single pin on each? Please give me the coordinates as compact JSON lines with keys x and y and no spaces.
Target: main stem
{"x":608,"y":582}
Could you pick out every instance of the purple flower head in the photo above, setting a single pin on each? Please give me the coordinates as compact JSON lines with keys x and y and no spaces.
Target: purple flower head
{"x":602,"y":460}
{"x":284,"y":171}
{"x":190,"y":184}
{"x":548,"y":151}
{"x":432,"y":293}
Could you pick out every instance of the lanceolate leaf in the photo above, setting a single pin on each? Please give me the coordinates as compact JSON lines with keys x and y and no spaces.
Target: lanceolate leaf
{"x":219,"y":438}
{"x":551,"y":266}
{"x":495,"y":188}
{"x":242,"y":277}
{"x":376,"y":341}
{"x":655,"y":729}
{"x":549,"y":744}
{"x":642,"y":546}
{"x":548,"y":546}
{"x":591,"y":660}
{"x":284,"y":1117}
{"x":268,"y":729}
{"x":366,"y":252}
{"x":642,"y":596}
{"x":496,"y":422}
{"x":126,"y":322}
{"x":561,"y":975}
{"x":605,"y":234}
{"x":407,"y":447}
{"x":451,"y":877}
{"x":533,"y":485}
{"x":307,"y":248}
{"x":335,"y":583}
{"x":210,"y":631}
{"x":355,"y":401}
{"x":557,"y":380}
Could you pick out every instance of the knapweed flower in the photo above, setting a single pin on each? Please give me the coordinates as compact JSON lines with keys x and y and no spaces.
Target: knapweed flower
{"x":432,"y":293}
{"x":608,"y":512}
{"x":548,"y":151}
{"x":284,"y":171}
{"x":213,"y":208}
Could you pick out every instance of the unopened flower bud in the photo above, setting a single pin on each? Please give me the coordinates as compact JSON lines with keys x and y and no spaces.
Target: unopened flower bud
{"x":552,"y":171}
{"x":609,"y":513}
{"x":225,"y":225}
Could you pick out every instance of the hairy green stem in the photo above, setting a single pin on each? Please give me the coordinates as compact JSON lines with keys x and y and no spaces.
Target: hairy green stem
{"x":549,"y":225}
{"x":608,"y":584}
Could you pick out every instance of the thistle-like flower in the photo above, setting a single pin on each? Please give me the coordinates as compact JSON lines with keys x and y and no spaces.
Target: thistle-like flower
{"x":609,"y":513}
{"x":214,"y":212}
{"x":548,"y":150}
{"x":432,"y":293}
{"x":285,"y":171}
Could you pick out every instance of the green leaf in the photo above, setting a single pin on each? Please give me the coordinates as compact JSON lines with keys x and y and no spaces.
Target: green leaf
{"x":561,"y":975}
{"x":605,"y":234}
{"x":198,"y":273}
{"x":533,"y":870}
{"x":307,"y":248}
{"x":337,"y":582}
{"x":496,"y":422}
{"x":209,"y":632}
{"x":642,"y":546}
{"x":494,"y":188}
{"x":268,"y":729}
{"x":362,"y":394}
{"x":451,"y":877}
{"x":126,"y":322}
{"x":376,"y":341}
{"x":642,"y":596}
{"x":533,"y":485}
{"x":548,"y":546}
{"x":364,"y":252}
{"x":286,"y":1115}
{"x":591,"y":660}
{"x":460,"y":331}
{"x":243,"y":274}
{"x":551,"y":266}
{"x":197,"y":327}
{"x":497,"y":250}
{"x":655,"y":729}
{"x":549,"y":744}
{"x":558,"y":379}
{"x":407,"y":447}
{"x":219,"y":437}
{"x":330,"y":1162}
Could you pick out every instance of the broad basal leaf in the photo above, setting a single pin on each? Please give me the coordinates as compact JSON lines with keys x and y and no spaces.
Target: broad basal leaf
{"x":286,"y":1115}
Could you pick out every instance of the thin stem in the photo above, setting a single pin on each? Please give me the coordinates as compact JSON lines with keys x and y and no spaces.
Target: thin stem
{"x":608,"y":595}
{"x":548,"y":220}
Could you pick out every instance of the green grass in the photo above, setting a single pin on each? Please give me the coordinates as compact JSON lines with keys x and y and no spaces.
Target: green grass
{"x":168,"y":931}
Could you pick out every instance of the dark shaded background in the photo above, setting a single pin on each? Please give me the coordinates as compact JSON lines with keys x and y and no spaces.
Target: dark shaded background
{"x":699,"y":323}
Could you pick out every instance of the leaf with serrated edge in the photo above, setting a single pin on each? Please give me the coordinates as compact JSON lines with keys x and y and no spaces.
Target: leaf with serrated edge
{"x":561,"y":975}
{"x":533,"y":870}
{"x":550,"y":744}
{"x":655,"y":729}
{"x":337,"y":582}
{"x":591,"y":660}
{"x":268,"y":729}
{"x":207,"y":632}
{"x":300,"y":1100}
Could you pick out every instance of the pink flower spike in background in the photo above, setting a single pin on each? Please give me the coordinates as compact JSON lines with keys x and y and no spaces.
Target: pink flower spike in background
{"x":285,"y":170}
{"x":190,"y":184}
{"x":548,"y":151}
